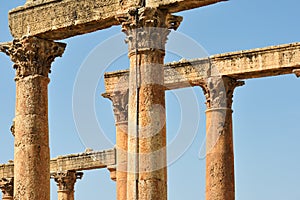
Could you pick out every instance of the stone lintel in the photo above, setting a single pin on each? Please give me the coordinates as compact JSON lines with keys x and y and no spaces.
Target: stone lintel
{"x":255,"y":63}
{"x":180,"y":5}
{"x":60,"y":19}
{"x":73,"y":162}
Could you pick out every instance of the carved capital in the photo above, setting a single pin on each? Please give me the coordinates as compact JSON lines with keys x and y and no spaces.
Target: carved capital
{"x":32,"y":55}
{"x":147,"y":28}
{"x":7,"y":187}
{"x":120,"y":105}
{"x":219,"y":91}
{"x":66,"y":180}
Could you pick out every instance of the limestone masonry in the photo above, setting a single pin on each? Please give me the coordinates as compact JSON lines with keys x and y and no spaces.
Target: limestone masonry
{"x":138,"y":163}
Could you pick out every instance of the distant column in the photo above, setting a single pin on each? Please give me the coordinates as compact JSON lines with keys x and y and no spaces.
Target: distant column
{"x":65,"y":183}
{"x":219,"y":142}
{"x":32,"y":59}
{"x":120,"y":107}
{"x":7,"y":188}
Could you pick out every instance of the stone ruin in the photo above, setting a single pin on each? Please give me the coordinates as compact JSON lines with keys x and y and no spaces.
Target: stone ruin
{"x":138,"y":163}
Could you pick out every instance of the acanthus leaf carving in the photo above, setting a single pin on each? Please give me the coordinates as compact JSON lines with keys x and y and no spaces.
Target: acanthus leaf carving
{"x":147,"y":28}
{"x":120,"y":105}
{"x":219,"y":91}
{"x":32,"y":55}
{"x":7,"y":187}
{"x":66,"y":180}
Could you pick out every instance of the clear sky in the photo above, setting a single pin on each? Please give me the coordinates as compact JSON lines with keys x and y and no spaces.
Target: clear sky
{"x":266,"y":111}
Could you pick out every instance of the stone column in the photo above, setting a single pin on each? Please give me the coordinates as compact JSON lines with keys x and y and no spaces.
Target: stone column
{"x":65,"y":183}
{"x":147,"y":30}
{"x":7,"y":188}
{"x":219,"y":142}
{"x":120,"y":107}
{"x":32,"y":57}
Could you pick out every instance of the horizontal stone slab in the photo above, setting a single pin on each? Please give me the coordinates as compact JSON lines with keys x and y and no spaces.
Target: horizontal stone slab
{"x":60,"y":19}
{"x":255,"y":63}
{"x":179,"y":5}
{"x":74,"y":162}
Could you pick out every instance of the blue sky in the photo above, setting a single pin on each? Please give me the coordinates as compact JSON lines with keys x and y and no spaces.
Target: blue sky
{"x":266,"y":111}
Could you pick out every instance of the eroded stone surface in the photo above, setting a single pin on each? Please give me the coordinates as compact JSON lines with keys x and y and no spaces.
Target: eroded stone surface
{"x":60,"y":19}
{"x":32,"y":59}
{"x":7,"y":188}
{"x":147,"y":30}
{"x":220,"y":183}
{"x":255,"y":63}
{"x":119,"y":171}
{"x":65,"y":182}
{"x":73,"y":162}
{"x":179,"y":5}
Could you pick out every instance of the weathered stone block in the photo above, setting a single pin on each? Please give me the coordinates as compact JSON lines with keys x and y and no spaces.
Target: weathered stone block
{"x":59,"y":19}
{"x":180,"y":5}
{"x":254,"y":63}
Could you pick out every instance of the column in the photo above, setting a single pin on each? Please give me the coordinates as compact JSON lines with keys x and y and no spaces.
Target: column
{"x":32,"y":57}
{"x":120,"y":106}
{"x":7,"y":188}
{"x":219,"y":142}
{"x":147,"y":30}
{"x":65,"y":183}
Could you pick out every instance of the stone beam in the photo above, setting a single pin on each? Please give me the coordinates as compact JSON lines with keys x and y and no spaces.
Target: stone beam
{"x":73,"y":162}
{"x":60,"y":19}
{"x":57,"y":19}
{"x":179,"y":5}
{"x":255,"y":63}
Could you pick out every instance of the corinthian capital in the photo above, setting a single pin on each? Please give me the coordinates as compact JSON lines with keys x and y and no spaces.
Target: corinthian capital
{"x":7,"y":187}
{"x":66,"y":180}
{"x":32,"y":55}
{"x":148,"y":28}
{"x":120,"y":105}
{"x":219,"y":91}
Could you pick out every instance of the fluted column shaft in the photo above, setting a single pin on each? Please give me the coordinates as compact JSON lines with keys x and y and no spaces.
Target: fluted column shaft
{"x":65,"y":183}
{"x":147,"y":30}
{"x":220,"y":184}
{"x":32,"y":57}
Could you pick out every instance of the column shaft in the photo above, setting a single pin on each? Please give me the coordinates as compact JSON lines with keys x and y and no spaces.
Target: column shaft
{"x":120,"y":107}
{"x":147,"y":31}
{"x":149,"y":144}
{"x":219,"y":157}
{"x":121,"y":173}
{"x":32,"y":57}
{"x":219,"y":141}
